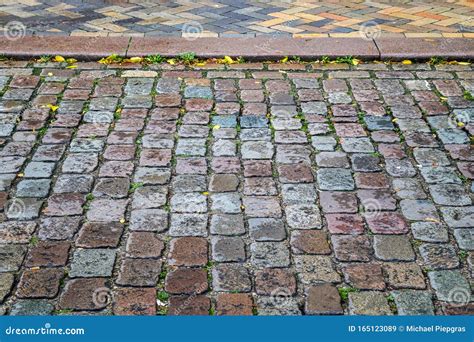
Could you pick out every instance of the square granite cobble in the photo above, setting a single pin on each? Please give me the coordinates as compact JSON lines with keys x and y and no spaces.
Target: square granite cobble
{"x":252,"y":188}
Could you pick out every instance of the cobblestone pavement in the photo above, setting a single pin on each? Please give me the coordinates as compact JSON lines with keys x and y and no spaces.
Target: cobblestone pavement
{"x":228,"y":18}
{"x":244,"y":189}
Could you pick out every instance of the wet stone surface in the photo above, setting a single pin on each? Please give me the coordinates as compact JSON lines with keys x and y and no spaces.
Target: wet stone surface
{"x":228,"y":190}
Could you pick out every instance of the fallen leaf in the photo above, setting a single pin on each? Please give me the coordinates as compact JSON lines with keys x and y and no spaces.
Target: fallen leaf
{"x":21,"y":175}
{"x":50,"y":74}
{"x":171,"y":61}
{"x":71,"y":67}
{"x":216,"y":127}
{"x":464,"y":63}
{"x":71,"y":60}
{"x":122,"y":220}
{"x":205,"y":193}
{"x":355,"y":61}
{"x":52,"y":107}
{"x":135,"y":60}
{"x":59,"y":59}
{"x":228,"y":60}
{"x":284,"y":60}
{"x":406,"y":62}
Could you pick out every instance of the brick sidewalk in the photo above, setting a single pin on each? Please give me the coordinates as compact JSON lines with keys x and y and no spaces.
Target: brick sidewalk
{"x":244,"y":189}
{"x":427,"y":19}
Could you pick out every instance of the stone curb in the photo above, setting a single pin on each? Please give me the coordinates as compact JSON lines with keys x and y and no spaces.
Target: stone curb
{"x":260,"y":48}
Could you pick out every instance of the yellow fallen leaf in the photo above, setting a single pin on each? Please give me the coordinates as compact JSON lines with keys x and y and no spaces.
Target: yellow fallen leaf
{"x":406,"y":62}
{"x":461,"y":124}
{"x":205,"y":193}
{"x":284,"y":60}
{"x":200,"y":64}
{"x":395,"y":120}
{"x":216,"y":127}
{"x":464,"y":63}
{"x":444,"y":99}
{"x":52,"y":107}
{"x":171,"y":61}
{"x":71,"y":60}
{"x":136,"y":60}
{"x":118,"y":111}
{"x":122,"y":220}
{"x":430,"y":219}
{"x":355,"y":61}
{"x":21,"y":175}
{"x":71,"y":67}
{"x":34,"y":268}
{"x":50,"y":74}
{"x":59,"y":59}
{"x":228,"y":60}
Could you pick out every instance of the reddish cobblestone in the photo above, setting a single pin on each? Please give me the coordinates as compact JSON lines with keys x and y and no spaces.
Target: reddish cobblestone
{"x":234,"y":304}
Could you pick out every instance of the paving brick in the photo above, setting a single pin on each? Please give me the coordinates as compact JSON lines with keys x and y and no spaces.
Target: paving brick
{"x":85,"y":294}
{"x":364,"y":276}
{"x":231,"y":277}
{"x":234,"y":304}
{"x":135,"y":301}
{"x":43,"y":283}
{"x":404,"y":275}
{"x":188,"y":251}
{"x":189,"y":305}
{"x":48,"y":254}
{"x":139,"y":272}
{"x":351,"y":248}
{"x":323,"y":300}
{"x":271,"y":281}
{"x":368,"y":303}
{"x":186,"y":281}
{"x":92,"y":263}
